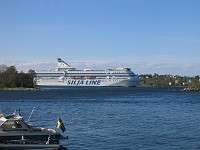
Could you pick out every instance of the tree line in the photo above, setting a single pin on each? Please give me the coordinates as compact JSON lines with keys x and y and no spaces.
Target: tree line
{"x":169,"y":80}
{"x":11,"y":78}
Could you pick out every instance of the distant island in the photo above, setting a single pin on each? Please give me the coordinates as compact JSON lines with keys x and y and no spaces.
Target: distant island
{"x":10,"y":78}
{"x":189,"y":83}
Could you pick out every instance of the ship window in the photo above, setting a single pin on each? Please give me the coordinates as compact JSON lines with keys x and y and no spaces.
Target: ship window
{"x":11,"y":124}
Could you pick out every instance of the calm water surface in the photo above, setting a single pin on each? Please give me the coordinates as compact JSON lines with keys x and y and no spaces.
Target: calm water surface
{"x":114,"y":118}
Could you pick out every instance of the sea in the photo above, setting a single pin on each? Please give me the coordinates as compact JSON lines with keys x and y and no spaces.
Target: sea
{"x":113,"y":118}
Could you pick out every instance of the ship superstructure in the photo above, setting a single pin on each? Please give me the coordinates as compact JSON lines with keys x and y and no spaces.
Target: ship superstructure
{"x":65,"y":75}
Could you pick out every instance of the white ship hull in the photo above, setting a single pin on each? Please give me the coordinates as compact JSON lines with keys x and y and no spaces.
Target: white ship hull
{"x":95,"y":82}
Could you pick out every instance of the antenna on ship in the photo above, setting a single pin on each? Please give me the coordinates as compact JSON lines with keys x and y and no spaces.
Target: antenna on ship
{"x":122,"y":66}
{"x":31,"y":114}
{"x":1,"y":111}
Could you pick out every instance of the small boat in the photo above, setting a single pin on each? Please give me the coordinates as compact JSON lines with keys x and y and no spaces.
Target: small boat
{"x":16,"y":133}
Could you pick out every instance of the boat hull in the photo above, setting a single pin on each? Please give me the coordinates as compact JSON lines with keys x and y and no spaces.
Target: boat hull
{"x":29,"y":146}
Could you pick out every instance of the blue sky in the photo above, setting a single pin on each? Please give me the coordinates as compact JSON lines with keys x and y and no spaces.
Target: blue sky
{"x":150,"y":36}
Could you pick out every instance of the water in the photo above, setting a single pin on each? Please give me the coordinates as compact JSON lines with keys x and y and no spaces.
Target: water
{"x":114,"y":118}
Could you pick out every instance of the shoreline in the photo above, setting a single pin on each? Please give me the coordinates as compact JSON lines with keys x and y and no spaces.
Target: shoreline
{"x":19,"y":89}
{"x":191,"y":89}
{"x":186,"y":89}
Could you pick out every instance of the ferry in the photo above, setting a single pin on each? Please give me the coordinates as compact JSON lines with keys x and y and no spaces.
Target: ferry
{"x":64,"y":76}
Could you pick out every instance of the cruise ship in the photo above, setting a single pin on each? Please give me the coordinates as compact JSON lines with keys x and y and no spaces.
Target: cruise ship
{"x":64,"y":75}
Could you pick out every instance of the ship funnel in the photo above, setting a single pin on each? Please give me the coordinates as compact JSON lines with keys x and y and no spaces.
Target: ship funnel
{"x":63,"y":65}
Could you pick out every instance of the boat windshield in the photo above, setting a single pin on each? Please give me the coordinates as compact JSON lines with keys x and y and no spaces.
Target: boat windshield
{"x":11,"y":124}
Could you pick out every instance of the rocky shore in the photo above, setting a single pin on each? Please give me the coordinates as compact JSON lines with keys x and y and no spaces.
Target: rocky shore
{"x":191,"y":89}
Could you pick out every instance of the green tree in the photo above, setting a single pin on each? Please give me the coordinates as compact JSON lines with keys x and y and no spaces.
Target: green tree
{"x":9,"y":77}
{"x":25,"y":80}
